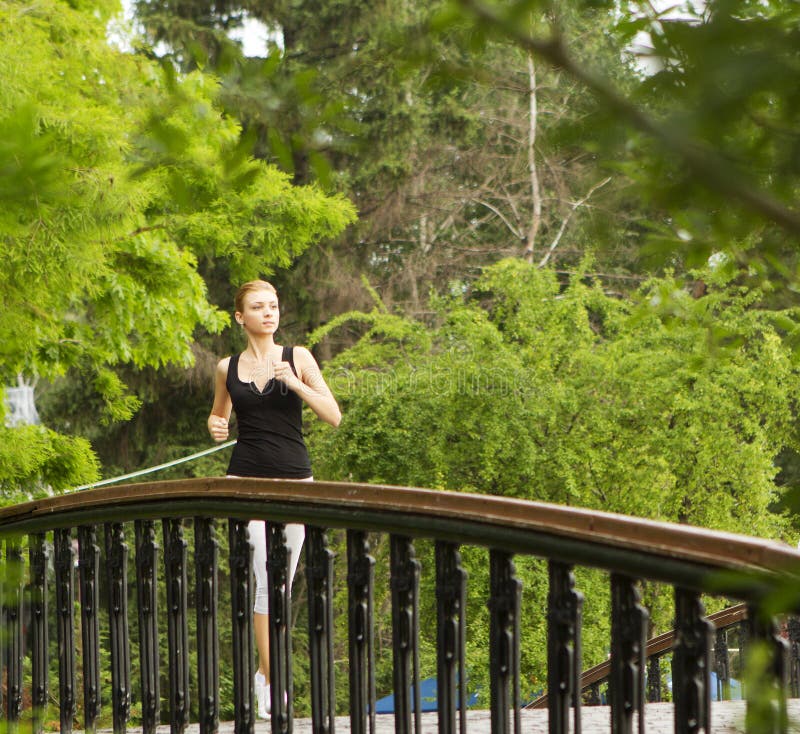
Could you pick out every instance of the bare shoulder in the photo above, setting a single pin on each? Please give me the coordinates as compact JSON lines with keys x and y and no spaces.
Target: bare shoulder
{"x":306,"y":365}
{"x":222,"y":366}
{"x":303,"y":356}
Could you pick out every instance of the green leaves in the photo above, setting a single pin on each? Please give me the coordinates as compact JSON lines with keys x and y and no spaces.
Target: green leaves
{"x":30,"y":167}
{"x":34,"y":461}
{"x":563,"y":394}
{"x":709,"y":137}
{"x":117,"y":178}
{"x":727,"y":89}
{"x":532,"y":387}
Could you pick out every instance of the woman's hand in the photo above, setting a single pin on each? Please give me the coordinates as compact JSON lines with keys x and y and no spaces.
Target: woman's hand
{"x":218,"y":427}
{"x":313,"y":388}
{"x":283,"y":372}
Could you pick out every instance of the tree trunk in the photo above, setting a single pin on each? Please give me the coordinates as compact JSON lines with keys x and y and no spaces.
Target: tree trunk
{"x":536,"y":199}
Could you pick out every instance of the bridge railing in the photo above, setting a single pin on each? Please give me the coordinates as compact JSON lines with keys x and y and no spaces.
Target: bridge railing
{"x":95,"y":523}
{"x":731,"y":619}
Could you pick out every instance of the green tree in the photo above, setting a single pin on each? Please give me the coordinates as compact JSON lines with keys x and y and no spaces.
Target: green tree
{"x":456,"y":156}
{"x":523,"y":388}
{"x":572,"y":396}
{"x":119,"y":180}
{"x":710,"y":138}
{"x":439,"y":158}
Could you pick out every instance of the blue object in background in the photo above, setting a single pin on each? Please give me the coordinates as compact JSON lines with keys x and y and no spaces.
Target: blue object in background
{"x":428,"y":696}
{"x":735,"y":693}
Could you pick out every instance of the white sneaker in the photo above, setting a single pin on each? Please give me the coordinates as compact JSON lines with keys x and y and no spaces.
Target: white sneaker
{"x":262,"y":696}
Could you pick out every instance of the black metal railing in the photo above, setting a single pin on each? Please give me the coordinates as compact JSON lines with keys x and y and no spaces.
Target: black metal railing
{"x":94,"y":523}
{"x":732,"y":620}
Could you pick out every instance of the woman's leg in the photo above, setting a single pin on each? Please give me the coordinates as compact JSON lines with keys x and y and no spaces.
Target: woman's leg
{"x":258,"y":539}
{"x":295,"y":534}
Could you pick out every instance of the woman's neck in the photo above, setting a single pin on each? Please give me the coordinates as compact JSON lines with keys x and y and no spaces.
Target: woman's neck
{"x":259,"y":350}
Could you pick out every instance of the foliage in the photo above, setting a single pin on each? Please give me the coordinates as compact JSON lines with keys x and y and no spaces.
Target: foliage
{"x":35,"y":460}
{"x":433,"y":153}
{"x":726,"y":85}
{"x":710,"y":138}
{"x":571,"y":396}
{"x":523,"y":388}
{"x":430,"y":140}
{"x":429,"y":135}
{"x":119,"y":179}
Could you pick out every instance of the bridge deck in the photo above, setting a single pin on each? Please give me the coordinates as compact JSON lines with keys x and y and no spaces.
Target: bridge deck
{"x":727,"y":718}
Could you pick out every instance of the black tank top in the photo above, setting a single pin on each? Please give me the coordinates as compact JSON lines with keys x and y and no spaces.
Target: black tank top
{"x":270,"y":424}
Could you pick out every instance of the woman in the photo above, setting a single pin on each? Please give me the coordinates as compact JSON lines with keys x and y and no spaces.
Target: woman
{"x":266,"y":386}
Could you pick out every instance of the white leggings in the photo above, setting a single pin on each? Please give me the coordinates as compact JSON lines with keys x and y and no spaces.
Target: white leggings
{"x":295,"y":535}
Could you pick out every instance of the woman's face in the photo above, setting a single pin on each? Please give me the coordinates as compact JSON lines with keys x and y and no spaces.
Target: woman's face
{"x":261,"y":313}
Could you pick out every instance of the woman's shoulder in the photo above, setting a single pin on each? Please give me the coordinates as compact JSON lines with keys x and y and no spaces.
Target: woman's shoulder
{"x":304,"y":362}
{"x":223,"y":364}
{"x":302,"y":355}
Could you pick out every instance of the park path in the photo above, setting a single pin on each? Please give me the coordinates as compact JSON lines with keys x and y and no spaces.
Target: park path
{"x":727,"y":717}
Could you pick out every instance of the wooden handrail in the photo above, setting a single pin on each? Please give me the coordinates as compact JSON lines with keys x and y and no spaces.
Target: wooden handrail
{"x":660,"y":550}
{"x":657,"y":645}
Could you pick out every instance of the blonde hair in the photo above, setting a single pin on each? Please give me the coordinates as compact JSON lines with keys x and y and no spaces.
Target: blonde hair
{"x":249,"y":287}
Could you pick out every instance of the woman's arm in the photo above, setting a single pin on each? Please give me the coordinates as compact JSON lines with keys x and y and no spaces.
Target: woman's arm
{"x":221,"y":410}
{"x":310,"y":385}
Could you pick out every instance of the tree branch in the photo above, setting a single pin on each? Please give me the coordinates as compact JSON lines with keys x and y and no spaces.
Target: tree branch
{"x":500,"y":214}
{"x":706,"y":165}
{"x":566,"y":219}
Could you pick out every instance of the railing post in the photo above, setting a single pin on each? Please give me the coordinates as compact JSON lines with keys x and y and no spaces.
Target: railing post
{"x":504,"y":605}
{"x":280,"y":632}
{"x":177,"y":625}
{"x":241,"y":568}
{"x":319,"y":576}
{"x":722,"y":665}
{"x":654,"y":679}
{"x":744,"y":642}
{"x":360,"y":582}
{"x":38,"y":553}
{"x":766,"y":697}
{"x":205,"y":563}
{"x":564,"y":612}
{"x":89,"y":566}
{"x":13,"y":630}
{"x":117,"y":574}
{"x":65,"y":582}
{"x":451,"y":602}
{"x":146,"y":589}
{"x":793,"y":629}
{"x":628,"y":643}
{"x":691,"y":664}
{"x":404,"y":584}
{"x":3,"y":625}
